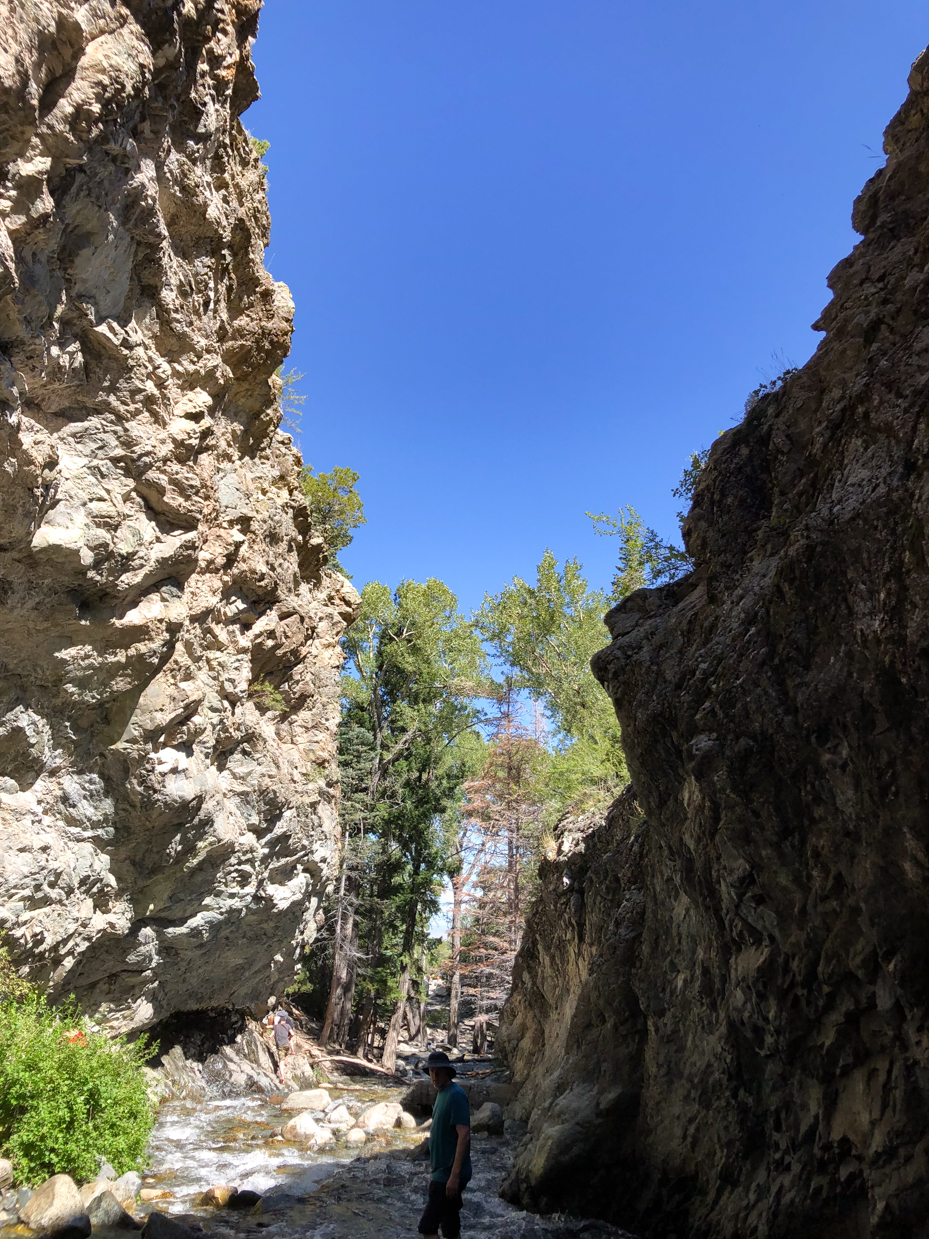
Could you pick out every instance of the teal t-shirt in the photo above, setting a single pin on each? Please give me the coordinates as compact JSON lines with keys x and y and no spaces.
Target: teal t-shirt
{"x":450,"y":1111}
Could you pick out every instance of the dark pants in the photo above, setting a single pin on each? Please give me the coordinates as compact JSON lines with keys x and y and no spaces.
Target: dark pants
{"x":441,"y":1210}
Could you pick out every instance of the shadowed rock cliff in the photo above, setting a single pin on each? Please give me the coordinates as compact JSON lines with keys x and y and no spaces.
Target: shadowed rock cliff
{"x":168,"y":630}
{"x":728,"y":989}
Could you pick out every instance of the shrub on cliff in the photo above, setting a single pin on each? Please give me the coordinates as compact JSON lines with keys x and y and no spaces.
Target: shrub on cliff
{"x":68,"y":1095}
{"x":335,"y":506}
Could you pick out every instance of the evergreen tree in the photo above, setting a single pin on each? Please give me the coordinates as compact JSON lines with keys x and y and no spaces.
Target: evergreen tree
{"x":415,"y":667}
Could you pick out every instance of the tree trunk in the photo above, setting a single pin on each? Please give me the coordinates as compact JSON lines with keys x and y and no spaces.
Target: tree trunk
{"x":343,"y":1012}
{"x":340,"y":961}
{"x":479,"y":1035}
{"x":454,"y":988}
{"x":364,"y":1025}
{"x":415,"y":1017}
{"x":512,"y":865}
{"x":389,"y":1054}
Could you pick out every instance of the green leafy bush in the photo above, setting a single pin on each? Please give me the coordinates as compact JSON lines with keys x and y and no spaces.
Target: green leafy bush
{"x":261,"y":148}
{"x":68,"y":1095}
{"x":335,"y":506}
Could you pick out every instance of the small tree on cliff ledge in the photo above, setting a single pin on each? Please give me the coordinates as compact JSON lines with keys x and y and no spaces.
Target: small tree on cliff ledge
{"x":336,"y":510}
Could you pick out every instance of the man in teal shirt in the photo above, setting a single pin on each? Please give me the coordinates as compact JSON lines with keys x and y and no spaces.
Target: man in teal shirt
{"x":449,"y":1145}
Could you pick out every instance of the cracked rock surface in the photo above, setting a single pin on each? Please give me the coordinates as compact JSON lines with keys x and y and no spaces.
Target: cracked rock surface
{"x":169,"y":631}
{"x":727,"y":984}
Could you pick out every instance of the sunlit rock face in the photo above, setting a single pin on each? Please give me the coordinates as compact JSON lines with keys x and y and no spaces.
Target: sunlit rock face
{"x":735,"y":1042}
{"x":168,"y":630}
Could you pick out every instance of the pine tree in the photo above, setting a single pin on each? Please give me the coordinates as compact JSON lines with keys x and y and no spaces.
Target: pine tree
{"x":415,"y":667}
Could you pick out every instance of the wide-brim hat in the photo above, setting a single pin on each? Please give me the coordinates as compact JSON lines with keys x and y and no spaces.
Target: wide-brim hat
{"x":438,"y":1058}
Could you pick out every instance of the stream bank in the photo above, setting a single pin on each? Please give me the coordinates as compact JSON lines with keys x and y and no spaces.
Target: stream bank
{"x":330,"y":1194}
{"x":360,"y":1175}
{"x":341,"y":1189}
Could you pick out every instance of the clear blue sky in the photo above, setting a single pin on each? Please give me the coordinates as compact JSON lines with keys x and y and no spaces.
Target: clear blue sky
{"x":542,"y":249}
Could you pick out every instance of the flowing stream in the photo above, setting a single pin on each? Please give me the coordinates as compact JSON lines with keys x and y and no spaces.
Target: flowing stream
{"x":196,"y":1145}
{"x":368,"y":1191}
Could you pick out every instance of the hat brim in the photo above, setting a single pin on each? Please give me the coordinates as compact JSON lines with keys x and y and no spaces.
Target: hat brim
{"x":441,"y":1067}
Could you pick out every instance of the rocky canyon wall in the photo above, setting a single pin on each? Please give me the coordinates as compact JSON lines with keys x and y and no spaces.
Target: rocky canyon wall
{"x":169,"y":632}
{"x":720,"y":1021}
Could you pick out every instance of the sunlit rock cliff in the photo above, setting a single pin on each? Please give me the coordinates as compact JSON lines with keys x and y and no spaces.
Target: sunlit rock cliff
{"x":168,"y":630}
{"x":720,"y":1020}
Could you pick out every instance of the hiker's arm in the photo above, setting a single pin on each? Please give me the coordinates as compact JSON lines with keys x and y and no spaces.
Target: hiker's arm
{"x":452,"y":1187}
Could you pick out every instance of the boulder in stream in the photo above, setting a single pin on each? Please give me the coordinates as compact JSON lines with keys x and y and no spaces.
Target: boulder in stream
{"x":305,"y":1130}
{"x":78,"y":1227}
{"x":92,"y":1189}
{"x":106,"y":1211}
{"x":218,"y":1197}
{"x":357,"y":1135}
{"x":307,"y":1099}
{"x":488,"y":1119}
{"x":246,"y":1199}
{"x":53,"y":1204}
{"x":126,"y":1188}
{"x":6,"y":1173}
{"x":160,"y":1226}
{"x":382,"y":1116}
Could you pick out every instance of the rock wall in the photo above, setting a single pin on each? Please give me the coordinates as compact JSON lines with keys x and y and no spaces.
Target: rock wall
{"x":730,"y":1003}
{"x":201,"y":1066}
{"x":169,"y":632}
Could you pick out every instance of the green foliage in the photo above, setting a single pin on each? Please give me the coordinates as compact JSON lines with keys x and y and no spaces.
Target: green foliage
{"x":688,"y":483}
{"x":406,"y":739}
{"x":336,"y":509}
{"x":310,"y":988}
{"x":335,"y":506}
{"x":415,"y":668}
{"x":586,"y":772}
{"x":765,"y":389}
{"x":412,"y":651}
{"x":66,"y":1099}
{"x":292,"y":401}
{"x":261,"y":148}
{"x":266,"y":696}
{"x":644,"y":559}
{"x":546,"y":633}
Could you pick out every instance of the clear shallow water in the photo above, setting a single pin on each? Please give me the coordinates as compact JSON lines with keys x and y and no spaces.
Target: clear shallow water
{"x":196,"y":1145}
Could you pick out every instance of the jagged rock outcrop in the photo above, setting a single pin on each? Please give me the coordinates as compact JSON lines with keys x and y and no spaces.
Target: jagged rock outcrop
{"x":219,"y":1054}
{"x":168,"y":629}
{"x":739,"y":990}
